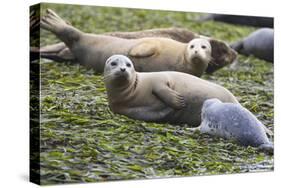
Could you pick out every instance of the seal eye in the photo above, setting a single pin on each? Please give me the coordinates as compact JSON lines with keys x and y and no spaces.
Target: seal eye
{"x":113,"y":64}
{"x":192,"y":46}
{"x":128,"y":65}
{"x":203,"y":46}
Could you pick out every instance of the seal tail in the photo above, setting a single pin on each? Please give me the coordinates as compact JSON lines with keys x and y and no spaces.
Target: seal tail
{"x":268,"y":148}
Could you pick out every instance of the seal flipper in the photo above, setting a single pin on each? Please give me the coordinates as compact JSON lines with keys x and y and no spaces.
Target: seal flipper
{"x":144,"y":49}
{"x":268,"y":148}
{"x":169,"y":96}
{"x":57,"y":52}
{"x":55,"y":24}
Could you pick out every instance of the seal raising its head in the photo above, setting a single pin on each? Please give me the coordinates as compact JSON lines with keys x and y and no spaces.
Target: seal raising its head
{"x":199,"y":50}
{"x":232,"y":121}
{"x":164,"y":97}
{"x":119,"y":69}
{"x":149,"y":54}
{"x":222,"y":54}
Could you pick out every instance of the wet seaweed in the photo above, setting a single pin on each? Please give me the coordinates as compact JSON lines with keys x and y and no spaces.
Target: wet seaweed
{"x":83,"y":141}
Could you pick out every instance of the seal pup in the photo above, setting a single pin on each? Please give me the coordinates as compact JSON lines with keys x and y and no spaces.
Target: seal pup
{"x":163,"y":97}
{"x":255,"y":21}
{"x":222,"y":54}
{"x":148,"y":54}
{"x":232,"y":121}
{"x":260,"y":43}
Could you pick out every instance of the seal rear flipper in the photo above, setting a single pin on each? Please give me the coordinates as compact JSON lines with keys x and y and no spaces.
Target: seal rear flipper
{"x":61,"y":57}
{"x":53,"y":48}
{"x":170,"y":97}
{"x":268,"y":148}
{"x":144,"y":49}
{"x":57,"y":52}
{"x":55,"y":24}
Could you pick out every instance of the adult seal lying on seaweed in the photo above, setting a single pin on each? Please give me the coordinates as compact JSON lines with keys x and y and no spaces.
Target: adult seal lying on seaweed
{"x":260,"y":43}
{"x":164,"y":97}
{"x":148,"y":54}
{"x":232,"y":121}
{"x":222,"y":54}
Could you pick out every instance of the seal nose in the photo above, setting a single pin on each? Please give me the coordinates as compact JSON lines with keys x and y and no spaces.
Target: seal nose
{"x":122,"y":69}
{"x":196,"y":51}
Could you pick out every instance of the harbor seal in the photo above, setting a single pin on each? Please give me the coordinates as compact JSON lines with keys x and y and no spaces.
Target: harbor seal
{"x":255,"y":21}
{"x":222,"y":54}
{"x":148,"y":54}
{"x":260,"y":43}
{"x":232,"y":121}
{"x":163,"y":97}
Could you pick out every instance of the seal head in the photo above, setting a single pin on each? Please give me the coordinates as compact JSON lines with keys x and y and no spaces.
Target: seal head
{"x":199,"y":53}
{"x":119,"y":69}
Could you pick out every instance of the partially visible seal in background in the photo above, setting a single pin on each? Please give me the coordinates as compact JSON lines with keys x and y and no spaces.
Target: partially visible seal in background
{"x":232,"y":121}
{"x":260,"y":43}
{"x":163,"y":97}
{"x":222,"y":54}
{"x":255,"y":21}
{"x":148,"y":54}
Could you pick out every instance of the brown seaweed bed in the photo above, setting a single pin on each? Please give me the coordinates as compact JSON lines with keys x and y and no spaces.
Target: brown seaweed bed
{"x":83,"y":141}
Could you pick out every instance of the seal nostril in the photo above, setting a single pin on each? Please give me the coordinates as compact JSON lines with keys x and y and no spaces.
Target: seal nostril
{"x":122,"y":69}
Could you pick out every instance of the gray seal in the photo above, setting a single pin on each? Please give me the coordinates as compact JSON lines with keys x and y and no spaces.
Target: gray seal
{"x":232,"y":121}
{"x":260,"y":43}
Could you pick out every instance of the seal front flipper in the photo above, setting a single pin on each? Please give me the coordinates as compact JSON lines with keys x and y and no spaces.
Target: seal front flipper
{"x":144,"y":49}
{"x":169,"y":96}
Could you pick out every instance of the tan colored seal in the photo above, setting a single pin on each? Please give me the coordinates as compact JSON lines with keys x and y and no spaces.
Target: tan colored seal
{"x":147,"y":54}
{"x":165,"y":97}
{"x":222,"y":54}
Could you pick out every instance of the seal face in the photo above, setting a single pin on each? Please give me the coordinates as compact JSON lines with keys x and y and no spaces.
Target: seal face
{"x":119,"y":69}
{"x":163,"y":97}
{"x":232,"y":121}
{"x":199,"y":52}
